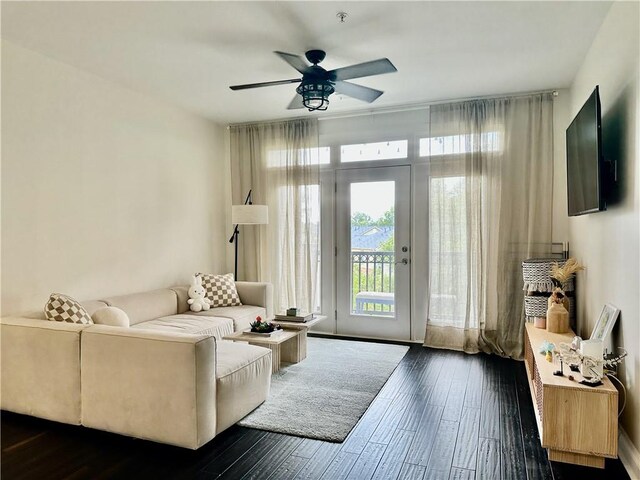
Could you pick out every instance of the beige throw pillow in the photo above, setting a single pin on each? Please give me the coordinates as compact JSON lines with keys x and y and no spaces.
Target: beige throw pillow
{"x":112,"y":316}
{"x":221,"y":289}
{"x":63,"y":308}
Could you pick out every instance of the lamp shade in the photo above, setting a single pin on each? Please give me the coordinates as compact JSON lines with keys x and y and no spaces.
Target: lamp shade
{"x":249,"y":214}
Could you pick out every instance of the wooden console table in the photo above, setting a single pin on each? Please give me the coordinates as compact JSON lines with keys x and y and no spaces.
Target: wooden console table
{"x":577,"y":423}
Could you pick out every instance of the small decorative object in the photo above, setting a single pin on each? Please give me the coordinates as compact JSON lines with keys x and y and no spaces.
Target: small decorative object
{"x":198,"y":301}
{"x":263,"y":327}
{"x":292,"y":312}
{"x":591,"y":367}
{"x":540,"y":322}
{"x":546,"y":348}
{"x":593,"y":349}
{"x":561,"y":275}
{"x":558,"y":296}
{"x":605,"y":323}
{"x":559,"y":373}
{"x":575,"y":343}
{"x":557,"y":318}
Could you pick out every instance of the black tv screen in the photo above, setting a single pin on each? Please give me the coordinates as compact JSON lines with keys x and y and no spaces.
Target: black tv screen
{"x":584,"y":160}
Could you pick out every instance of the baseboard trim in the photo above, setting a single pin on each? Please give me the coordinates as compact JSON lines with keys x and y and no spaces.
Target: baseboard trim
{"x":629,"y":455}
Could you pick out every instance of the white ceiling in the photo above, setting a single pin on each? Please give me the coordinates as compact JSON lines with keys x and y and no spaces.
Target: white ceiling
{"x":188,"y":53}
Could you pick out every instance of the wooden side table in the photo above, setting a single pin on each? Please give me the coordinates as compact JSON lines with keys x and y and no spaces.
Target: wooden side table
{"x":303,"y":328}
{"x":577,"y":423}
{"x":284,"y":347}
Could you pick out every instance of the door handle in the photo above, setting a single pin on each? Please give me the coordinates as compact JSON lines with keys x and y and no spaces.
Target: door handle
{"x":404,"y":261}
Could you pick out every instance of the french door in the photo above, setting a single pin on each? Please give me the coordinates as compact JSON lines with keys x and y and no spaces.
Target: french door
{"x":373,"y":255}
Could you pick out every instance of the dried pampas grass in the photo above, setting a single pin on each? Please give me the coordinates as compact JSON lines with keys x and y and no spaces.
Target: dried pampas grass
{"x":565,"y":272}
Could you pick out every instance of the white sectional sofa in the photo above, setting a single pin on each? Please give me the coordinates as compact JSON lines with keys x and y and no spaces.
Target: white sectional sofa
{"x":167,"y":378}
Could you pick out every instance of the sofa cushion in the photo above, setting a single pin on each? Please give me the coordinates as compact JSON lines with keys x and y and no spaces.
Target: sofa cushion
{"x":241,"y":315}
{"x":111,"y":316}
{"x":182,"y":292}
{"x":147,"y":305}
{"x":63,"y":308}
{"x":221,"y":289}
{"x":187,"y":323}
{"x":243,"y":379}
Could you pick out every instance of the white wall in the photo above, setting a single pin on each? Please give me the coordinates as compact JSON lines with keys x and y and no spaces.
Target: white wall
{"x":104,"y":191}
{"x":608,"y":243}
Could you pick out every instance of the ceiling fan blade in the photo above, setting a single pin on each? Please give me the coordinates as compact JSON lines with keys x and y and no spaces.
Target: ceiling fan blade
{"x":375,"y":67}
{"x":296,"y":103}
{"x":365,"y":94}
{"x":264,"y":84}
{"x":294,"y":60}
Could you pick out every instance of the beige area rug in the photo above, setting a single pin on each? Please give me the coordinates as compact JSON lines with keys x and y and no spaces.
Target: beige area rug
{"x":324,"y":396}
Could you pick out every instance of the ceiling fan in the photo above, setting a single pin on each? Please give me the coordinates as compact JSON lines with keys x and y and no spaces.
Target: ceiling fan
{"x":317,"y":83}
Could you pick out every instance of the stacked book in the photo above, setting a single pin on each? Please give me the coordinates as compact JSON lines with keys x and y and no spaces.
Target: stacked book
{"x":300,"y":318}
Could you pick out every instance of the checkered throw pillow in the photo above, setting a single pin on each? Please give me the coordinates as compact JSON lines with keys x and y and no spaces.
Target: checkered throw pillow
{"x":62,"y":308}
{"x":221,"y":289}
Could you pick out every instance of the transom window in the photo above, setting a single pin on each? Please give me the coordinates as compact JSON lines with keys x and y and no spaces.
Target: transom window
{"x":362,"y":152}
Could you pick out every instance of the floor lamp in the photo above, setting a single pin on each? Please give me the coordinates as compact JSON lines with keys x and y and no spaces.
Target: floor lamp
{"x":247,"y":214}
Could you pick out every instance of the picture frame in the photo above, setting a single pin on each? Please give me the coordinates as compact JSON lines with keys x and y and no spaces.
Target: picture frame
{"x":605,"y":323}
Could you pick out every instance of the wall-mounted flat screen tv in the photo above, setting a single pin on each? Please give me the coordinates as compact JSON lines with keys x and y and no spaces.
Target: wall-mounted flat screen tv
{"x":585,"y":165}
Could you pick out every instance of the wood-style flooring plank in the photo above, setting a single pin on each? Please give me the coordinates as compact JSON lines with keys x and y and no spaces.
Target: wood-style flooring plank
{"x":425,"y":437}
{"x":538,"y":467}
{"x":465,"y":453}
{"x":340,"y":467}
{"x":412,"y":472}
{"x":512,"y":465}
{"x":360,"y":435}
{"x":490,"y":414}
{"x":368,"y":461}
{"x":393,"y":458}
{"x":257,"y":455}
{"x":442,"y":452}
{"x":389,"y":423}
{"x":317,"y":465}
{"x":436,"y":475}
{"x":235,"y":452}
{"x":461,"y":474}
{"x":488,"y":463}
{"x":307,"y":448}
{"x":455,"y":401}
{"x":473,"y":393}
{"x":289,"y":468}
{"x":265,"y":465}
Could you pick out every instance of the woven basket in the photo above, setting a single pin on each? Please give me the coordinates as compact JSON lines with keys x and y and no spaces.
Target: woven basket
{"x":536,"y":275}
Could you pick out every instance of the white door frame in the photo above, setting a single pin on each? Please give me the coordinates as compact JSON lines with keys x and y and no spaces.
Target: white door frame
{"x":367,"y":325}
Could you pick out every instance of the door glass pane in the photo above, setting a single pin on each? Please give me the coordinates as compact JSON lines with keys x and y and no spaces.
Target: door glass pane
{"x":362,"y":152}
{"x":372,"y":248}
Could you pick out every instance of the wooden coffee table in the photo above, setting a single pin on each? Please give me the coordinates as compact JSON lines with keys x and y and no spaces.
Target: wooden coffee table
{"x":284,"y":347}
{"x":289,"y":347}
{"x":303,"y":328}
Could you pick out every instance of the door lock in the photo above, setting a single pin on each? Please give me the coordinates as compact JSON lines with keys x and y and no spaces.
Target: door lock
{"x":405,"y":249}
{"x":404,"y":261}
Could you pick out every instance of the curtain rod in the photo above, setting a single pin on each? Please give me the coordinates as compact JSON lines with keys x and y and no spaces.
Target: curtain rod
{"x":419,"y":106}
{"x":398,"y":108}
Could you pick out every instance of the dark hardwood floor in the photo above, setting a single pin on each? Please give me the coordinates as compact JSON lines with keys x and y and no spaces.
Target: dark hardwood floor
{"x":441,"y":415}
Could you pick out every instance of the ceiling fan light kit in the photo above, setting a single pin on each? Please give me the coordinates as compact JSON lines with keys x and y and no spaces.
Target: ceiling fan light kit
{"x":317,"y":84}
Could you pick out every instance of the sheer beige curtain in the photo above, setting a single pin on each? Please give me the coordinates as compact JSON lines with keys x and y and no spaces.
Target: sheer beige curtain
{"x":490,"y":202}
{"x":279,"y":161}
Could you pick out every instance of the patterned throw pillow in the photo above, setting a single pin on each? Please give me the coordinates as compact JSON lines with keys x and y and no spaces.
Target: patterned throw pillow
{"x":62,"y":308}
{"x":221,"y":289}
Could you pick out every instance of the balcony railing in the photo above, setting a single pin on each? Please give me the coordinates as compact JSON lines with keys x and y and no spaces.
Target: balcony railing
{"x":373,"y":283}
